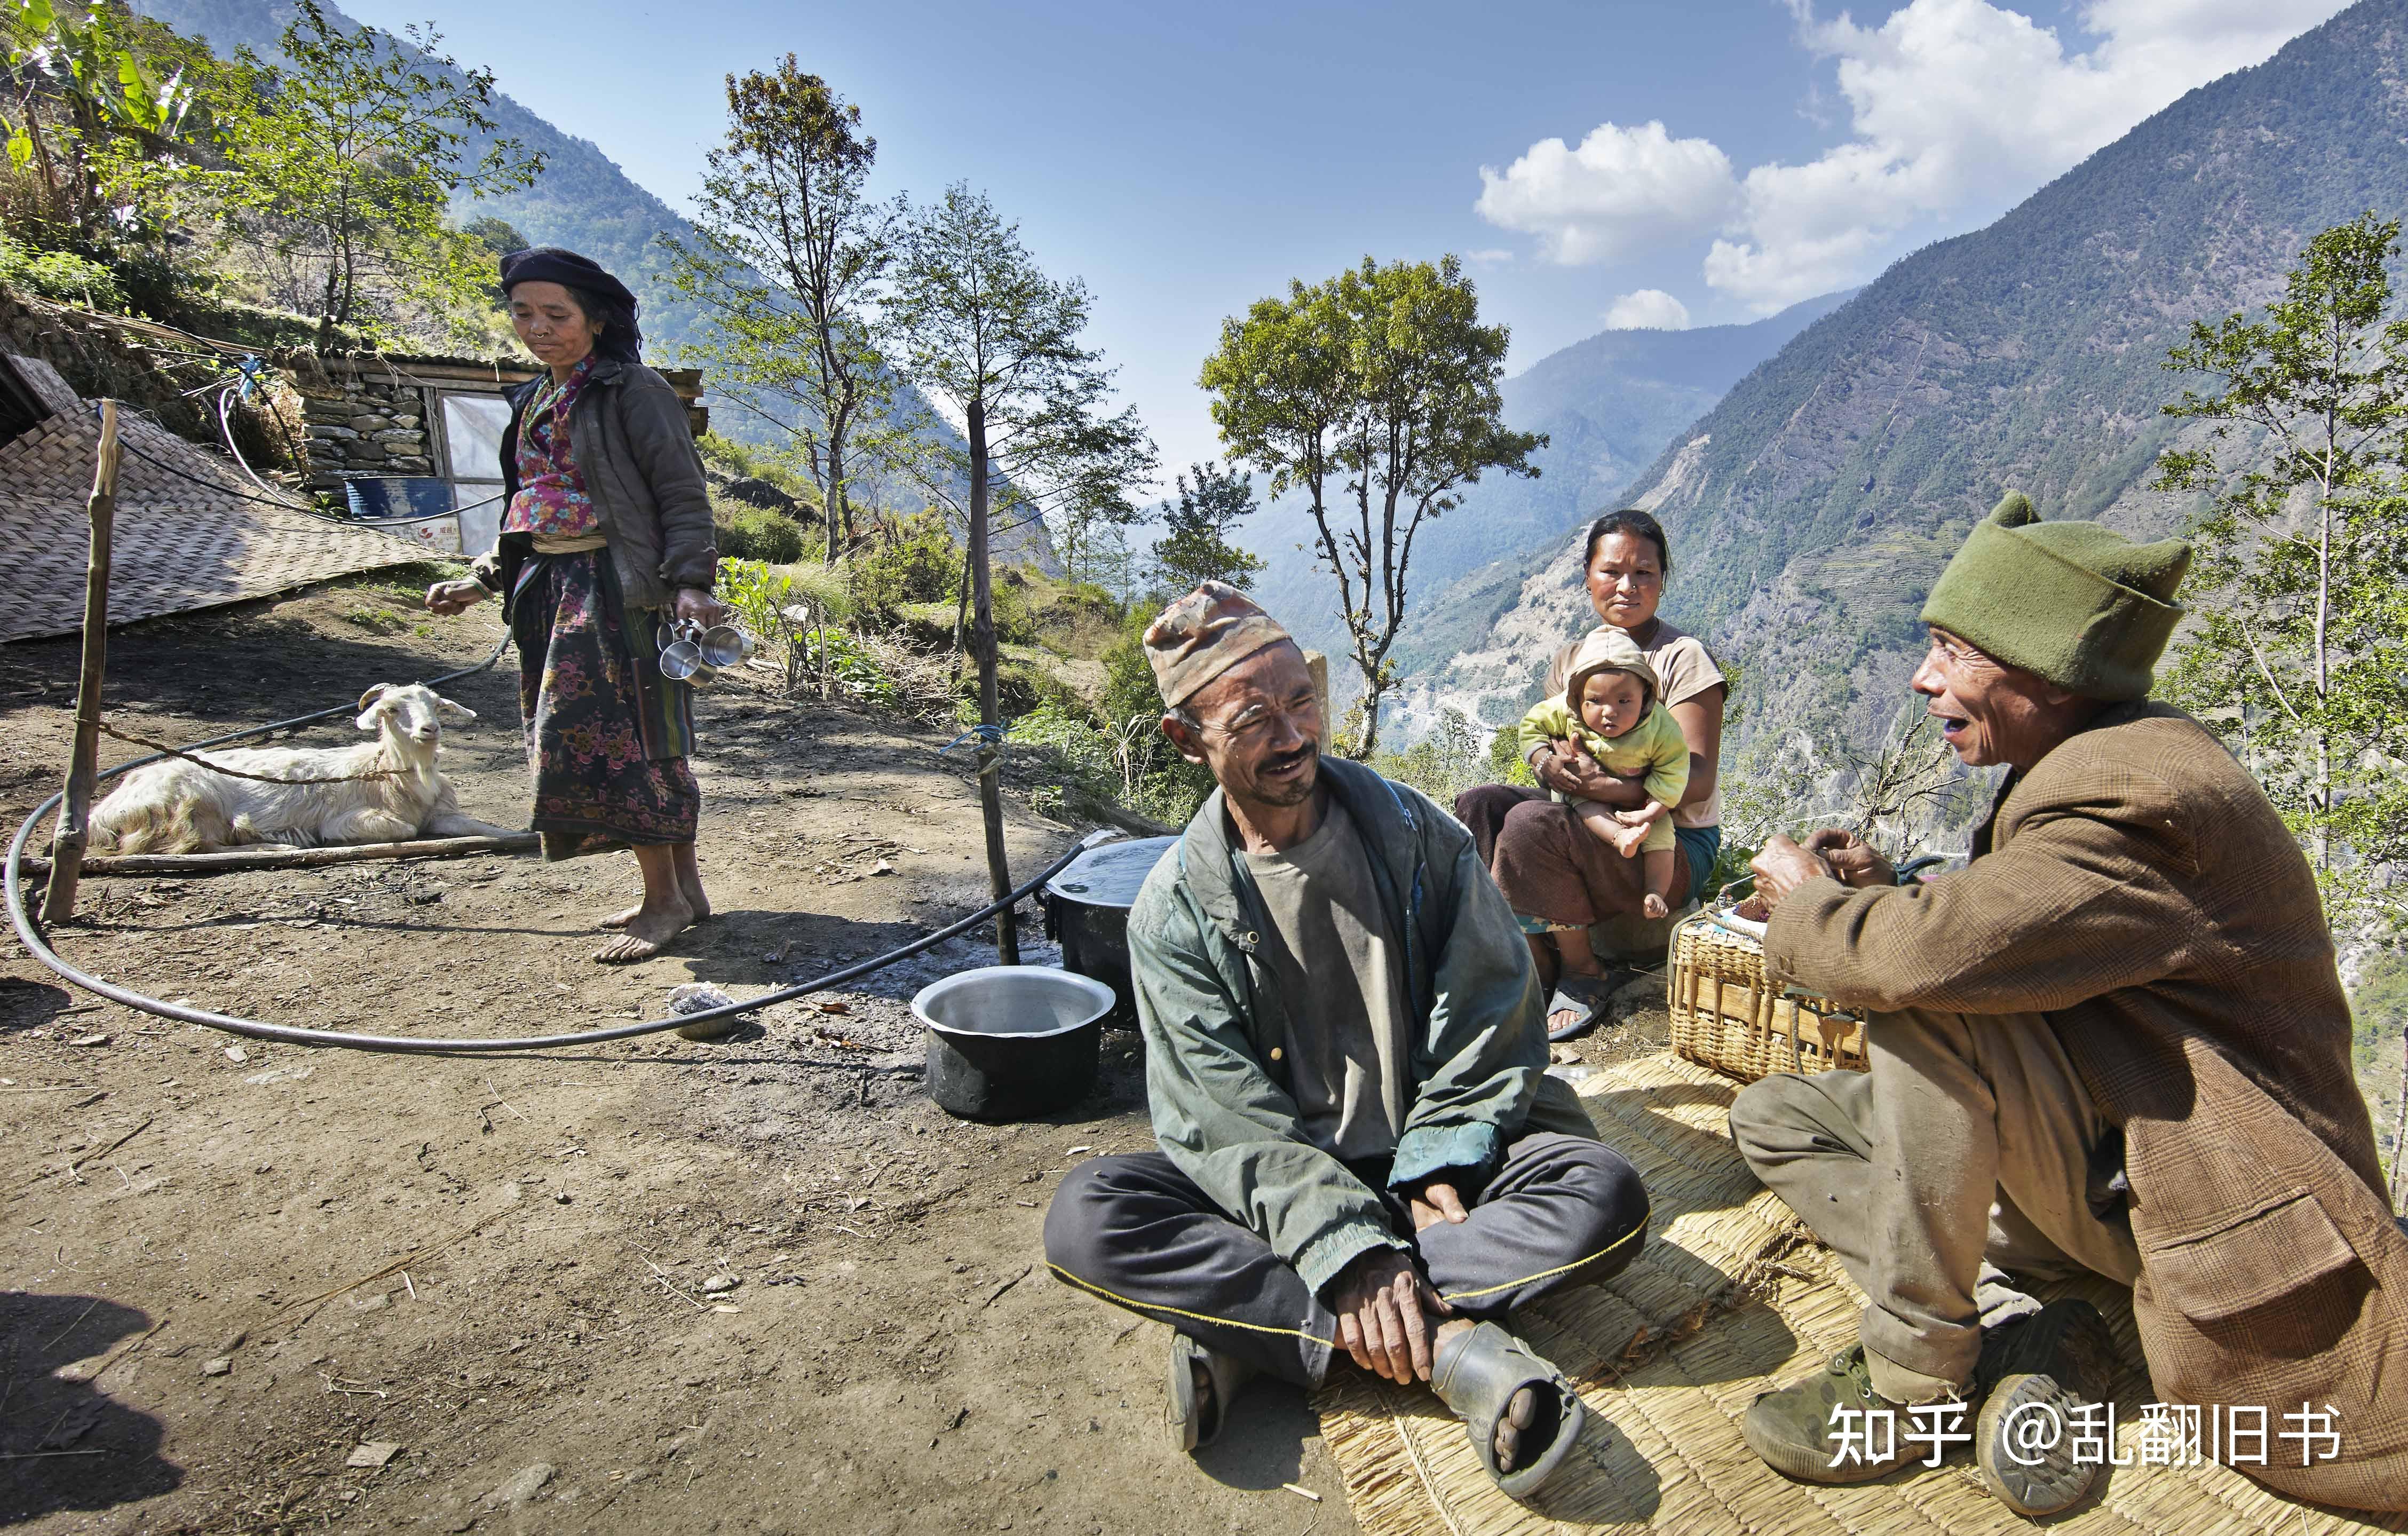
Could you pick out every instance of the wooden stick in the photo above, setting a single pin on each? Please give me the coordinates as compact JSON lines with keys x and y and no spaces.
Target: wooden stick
{"x":75,"y":813}
{"x":290,"y":858}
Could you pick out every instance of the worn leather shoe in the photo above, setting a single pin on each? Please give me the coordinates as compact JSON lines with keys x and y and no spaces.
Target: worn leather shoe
{"x":1828,"y":1428}
{"x":2034,"y":1374}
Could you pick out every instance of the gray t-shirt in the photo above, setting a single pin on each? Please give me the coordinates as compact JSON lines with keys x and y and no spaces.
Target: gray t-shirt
{"x":1347,"y":1047}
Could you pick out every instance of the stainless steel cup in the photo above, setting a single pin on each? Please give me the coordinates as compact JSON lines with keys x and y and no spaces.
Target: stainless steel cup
{"x":683,"y":661}
{"x":728,"y":645}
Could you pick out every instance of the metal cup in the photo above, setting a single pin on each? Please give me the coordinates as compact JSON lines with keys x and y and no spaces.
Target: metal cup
{"x":728,"y":645}
{"x":682,"y":660}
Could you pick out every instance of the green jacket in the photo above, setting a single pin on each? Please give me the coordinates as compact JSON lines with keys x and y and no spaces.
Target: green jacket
{"x":1221,"y":1108}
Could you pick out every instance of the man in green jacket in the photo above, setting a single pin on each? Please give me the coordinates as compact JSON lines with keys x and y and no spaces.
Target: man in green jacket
{"x":1346,"y":1063}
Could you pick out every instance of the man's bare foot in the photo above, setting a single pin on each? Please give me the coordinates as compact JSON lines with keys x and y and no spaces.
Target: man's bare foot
{"x":646,"y":934}
{"x":1518,"y":1414}
{"x":620,"y":920}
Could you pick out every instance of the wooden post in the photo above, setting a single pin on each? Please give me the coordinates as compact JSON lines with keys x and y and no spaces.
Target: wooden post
{"x":75,"y":813}
{"x":1318,"y":665}
{"x":990,"y":752}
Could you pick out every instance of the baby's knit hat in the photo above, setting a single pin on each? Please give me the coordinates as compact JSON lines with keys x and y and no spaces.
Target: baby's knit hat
{"x":2077,"y":603}
{"x":1604,"y":648}
{"x":1203,"y":636}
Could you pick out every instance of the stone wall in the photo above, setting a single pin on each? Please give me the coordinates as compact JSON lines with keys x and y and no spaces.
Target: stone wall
{"x":365,"y":424}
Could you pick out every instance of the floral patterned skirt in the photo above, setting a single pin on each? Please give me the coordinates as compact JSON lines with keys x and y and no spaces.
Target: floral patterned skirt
{"x":607,"y":735}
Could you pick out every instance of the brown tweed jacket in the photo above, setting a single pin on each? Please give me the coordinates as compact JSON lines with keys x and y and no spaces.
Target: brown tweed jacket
{"x":2138,"y":888}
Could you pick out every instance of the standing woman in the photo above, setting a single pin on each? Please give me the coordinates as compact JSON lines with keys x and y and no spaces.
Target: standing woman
{"x":607,"y":536}
{"x":1557,"y":878}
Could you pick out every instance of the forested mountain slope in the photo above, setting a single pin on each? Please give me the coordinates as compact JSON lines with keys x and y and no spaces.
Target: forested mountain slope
{"x":1608,"y":405}
{"x":1810,"y":508}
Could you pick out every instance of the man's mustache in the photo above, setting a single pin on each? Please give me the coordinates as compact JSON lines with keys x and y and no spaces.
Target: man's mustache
{"x":1289,"y":759}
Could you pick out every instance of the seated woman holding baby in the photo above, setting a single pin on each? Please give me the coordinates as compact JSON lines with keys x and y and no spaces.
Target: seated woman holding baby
{"x":1558,"y":853}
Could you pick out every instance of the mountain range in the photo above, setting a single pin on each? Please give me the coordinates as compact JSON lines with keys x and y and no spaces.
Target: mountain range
{"x":1607,"y":405}
{"x":1811,"y":507}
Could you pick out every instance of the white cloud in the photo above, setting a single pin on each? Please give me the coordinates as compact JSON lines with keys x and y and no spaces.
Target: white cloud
{"x":1648,"y":309}
{"x":1623,"y":190}
{"x":1960,"y":107}
{"x":1492,"y":256}
{"x":1957,"y":109}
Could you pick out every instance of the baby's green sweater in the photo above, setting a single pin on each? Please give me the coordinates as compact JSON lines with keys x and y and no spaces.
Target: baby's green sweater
{"x":1653,"y":747}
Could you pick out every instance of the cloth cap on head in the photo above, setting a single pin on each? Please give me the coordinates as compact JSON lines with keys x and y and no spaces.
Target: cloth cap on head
{"x":2077,"y":603}
{"x":1608,"y":649}
{"x":1203,"y":636}
{"x":550,"y":264}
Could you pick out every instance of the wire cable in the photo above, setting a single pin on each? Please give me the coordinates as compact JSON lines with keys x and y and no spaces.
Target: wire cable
{"x":29,"y":934}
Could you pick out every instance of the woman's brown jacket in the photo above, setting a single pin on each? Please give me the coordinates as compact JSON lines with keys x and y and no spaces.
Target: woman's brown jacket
{"x":2138,"y":888}
{"x":636,"y":453}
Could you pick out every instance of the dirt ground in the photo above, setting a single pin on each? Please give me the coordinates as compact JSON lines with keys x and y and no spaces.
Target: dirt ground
{"x":761,"y":1284}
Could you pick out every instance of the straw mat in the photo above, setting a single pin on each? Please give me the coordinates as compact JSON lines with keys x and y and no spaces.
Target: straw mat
{"x":181,"y":543}
{"x":1731,"y":1297}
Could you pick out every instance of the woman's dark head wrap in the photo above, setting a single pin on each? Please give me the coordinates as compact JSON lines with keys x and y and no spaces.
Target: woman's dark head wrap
{"x":605,"y":299}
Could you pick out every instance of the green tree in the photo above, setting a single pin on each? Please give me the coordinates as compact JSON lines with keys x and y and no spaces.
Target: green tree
{"x":114,"y":87}
{"x":788,"y":259}
{"x":995,"y":342}
{"x":1382,"y":381}
{"x":345,"y":157}
{"x":1194,"y":546}
{"x":2299,"y":590}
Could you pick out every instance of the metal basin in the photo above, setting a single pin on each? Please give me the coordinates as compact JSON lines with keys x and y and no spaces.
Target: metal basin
{"x":1012,"y":1042}
{"x":1086,"y":911}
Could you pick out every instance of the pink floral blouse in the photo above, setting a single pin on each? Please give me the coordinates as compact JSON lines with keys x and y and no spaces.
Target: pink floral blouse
{"x":551,"y":496}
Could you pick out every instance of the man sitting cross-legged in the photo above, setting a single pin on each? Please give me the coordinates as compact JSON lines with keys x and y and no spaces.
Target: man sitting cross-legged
{"x":1361,"y":1149}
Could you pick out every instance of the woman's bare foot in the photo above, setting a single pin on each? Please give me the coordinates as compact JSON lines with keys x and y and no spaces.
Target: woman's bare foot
{"x":646,"y":933}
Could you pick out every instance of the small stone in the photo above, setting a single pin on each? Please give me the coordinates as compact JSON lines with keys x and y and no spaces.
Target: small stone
{"x":219,"y":1367}
{"x":561,"y":1196}
{"x":524,"y":1488}
{"x":89,"y":1039}
{"x":1563,"y":1056}
{"x":236,"y":1055}
{"x":372,"y":1454}
{"x":720,"y":1285}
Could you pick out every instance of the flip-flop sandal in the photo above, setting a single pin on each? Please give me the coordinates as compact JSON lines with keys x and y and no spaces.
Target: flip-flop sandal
{"x":1477,"y":1374}
{"x":1189,"y":1429}
{"x":1583,"y":995}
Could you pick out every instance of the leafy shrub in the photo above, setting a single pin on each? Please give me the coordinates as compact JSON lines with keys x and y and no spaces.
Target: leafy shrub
{"x":755,"y":532}
{"x":914,"y":560}
{"x":60,"y":275}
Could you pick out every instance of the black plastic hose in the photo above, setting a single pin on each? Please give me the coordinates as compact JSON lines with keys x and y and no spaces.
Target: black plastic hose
{"x":30,"y":934}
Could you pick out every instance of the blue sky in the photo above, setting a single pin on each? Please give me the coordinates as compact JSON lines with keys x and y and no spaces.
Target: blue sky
{"x":1659,"y":163}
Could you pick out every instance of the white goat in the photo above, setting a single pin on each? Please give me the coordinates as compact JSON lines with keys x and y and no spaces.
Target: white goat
{"x":177,"y":807}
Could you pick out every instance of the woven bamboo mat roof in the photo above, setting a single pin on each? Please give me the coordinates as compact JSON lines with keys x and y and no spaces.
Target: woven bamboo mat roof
{"x":1729,"y":1299}
{"x":191,"y":532}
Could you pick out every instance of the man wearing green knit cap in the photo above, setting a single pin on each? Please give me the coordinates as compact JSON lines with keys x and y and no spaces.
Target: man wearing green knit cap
{"x":2113,"y":1044}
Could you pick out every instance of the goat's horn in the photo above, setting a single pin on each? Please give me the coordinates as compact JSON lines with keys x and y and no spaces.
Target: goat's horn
{"x":372,"y":695}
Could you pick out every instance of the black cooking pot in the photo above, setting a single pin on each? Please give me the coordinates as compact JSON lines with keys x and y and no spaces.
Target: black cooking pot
{"x":1012,"y":1042}
{"x":1086,"y":913}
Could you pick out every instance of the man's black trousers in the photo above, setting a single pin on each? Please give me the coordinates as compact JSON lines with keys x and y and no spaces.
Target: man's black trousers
{"x":1134,"y":1230}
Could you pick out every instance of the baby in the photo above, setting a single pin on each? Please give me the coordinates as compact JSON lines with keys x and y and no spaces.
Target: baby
{"x":1608,"y":706}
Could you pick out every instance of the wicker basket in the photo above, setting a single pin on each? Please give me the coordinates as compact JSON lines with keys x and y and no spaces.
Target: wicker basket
{"x":1727,"y":1015}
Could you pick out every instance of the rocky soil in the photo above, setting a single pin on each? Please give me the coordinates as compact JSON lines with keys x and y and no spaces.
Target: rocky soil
{"x":761,"y":1284}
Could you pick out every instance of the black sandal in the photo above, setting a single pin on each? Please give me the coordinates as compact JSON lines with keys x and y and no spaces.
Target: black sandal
{"x":1587,"y":996}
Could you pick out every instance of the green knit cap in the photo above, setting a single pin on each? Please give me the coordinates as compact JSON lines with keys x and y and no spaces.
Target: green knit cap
{"x":2078,"y":603}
